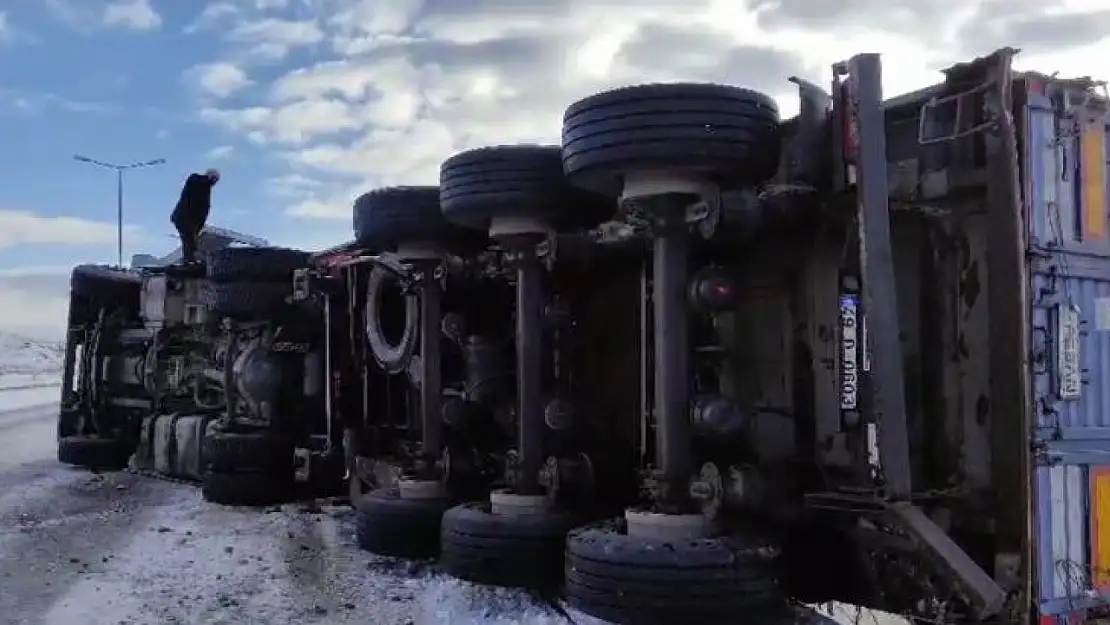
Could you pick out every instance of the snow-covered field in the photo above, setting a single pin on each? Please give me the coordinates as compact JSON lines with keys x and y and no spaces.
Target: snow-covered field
{"x":30,"y":371}
{"x":20,"y":356}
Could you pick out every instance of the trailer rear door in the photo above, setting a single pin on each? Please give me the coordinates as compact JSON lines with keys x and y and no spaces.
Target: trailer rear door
{"x":1069,"y":260}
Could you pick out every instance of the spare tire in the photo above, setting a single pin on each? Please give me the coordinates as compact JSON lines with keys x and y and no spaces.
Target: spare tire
{"x":479,"y":185}
{"x":729,"y":134}
{"x":232,"y":264}
{"x":392,"y":356}
{"x":384,"y":218}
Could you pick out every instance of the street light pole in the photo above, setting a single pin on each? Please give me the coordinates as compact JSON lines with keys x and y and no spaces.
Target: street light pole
{"x":119,"y":169}
{"x":119,"y":217}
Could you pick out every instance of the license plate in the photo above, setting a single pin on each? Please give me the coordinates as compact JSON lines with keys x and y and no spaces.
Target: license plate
{"x":849,"y":352}
{"x":1068,"y":366}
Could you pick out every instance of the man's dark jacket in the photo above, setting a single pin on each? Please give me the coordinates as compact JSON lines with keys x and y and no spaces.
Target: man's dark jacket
{"x":196,"y":200}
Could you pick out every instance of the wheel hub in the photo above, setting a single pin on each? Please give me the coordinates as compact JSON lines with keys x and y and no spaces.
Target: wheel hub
{"x":660,"y":526}
{"x":638,"y":184}
{"x":510,"y":504}
{"x":420,"y":250}
{"x":517,"y":225}
{"x":420,"y":489}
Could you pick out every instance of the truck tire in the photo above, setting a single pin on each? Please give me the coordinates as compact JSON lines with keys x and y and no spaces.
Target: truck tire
{"x":256,"y":264}
{"x":247,"y":300}
{"x":387,"y":525}
{"x":101,"y":454}
{"x":392,"y":357}
{"x":479,"y":185}
{"x":105,"y":286}
{"x":523,"y":551}
{"x":384,"y":218}
{"x":623,"y":579}
{"x":727,"y":133}
{"x":230,"y":452}
{"x":245,"y":488}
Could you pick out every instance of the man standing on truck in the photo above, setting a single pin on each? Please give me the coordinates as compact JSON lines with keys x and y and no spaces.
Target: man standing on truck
{"x":191,"y":212}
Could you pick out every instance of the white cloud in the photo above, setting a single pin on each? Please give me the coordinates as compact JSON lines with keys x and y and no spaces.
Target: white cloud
{"x":33,"y":313}
{"x":295,"y":124}
{"x":28,"y":228}
{"x":211,"y":14}
{"x":272,"y":38}
{"x":220,"y":152}
{"x":36,"y":298}
{"x":292,"y":185}
{"x":391,"y":89}
{"x":269,"y":5}
{"x":132,"y":14}
{"x":35,"y":302}
{"x":218,"y":80}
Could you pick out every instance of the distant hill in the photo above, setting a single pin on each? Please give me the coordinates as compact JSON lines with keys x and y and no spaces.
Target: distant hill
{"x":23,"y":356}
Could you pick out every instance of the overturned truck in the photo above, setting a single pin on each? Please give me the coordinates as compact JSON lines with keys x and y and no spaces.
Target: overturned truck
{"x":698,"y":363}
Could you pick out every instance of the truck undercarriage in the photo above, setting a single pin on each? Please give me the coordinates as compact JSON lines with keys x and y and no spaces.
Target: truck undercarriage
{"x":682,"y":366}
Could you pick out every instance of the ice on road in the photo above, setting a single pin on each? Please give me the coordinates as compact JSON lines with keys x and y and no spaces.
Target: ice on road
{"x":25,"y":432}
{"x":117,"y":548}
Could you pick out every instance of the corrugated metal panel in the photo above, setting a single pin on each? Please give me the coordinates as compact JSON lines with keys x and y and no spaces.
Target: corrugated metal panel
{"x":1070,"y":279}
{"x":1089,"y":295}
{"x":1068,"y":171}
{"x":1079,"y":281}
{"x":1063,"y":493}
{"x":1042,"y":163}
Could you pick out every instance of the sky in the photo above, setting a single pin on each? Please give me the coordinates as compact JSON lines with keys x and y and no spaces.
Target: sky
{"x":304,"y":104}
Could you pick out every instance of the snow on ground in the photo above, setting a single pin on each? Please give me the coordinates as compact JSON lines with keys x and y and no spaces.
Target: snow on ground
{"x":19,"y":355}
{"x":20,"y":381}
{"x":29,"y":397}
{"x":192,"y":562}
{"x":30,"y":371}
{"x":187,"y":561}
{"x":25,"y":433}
